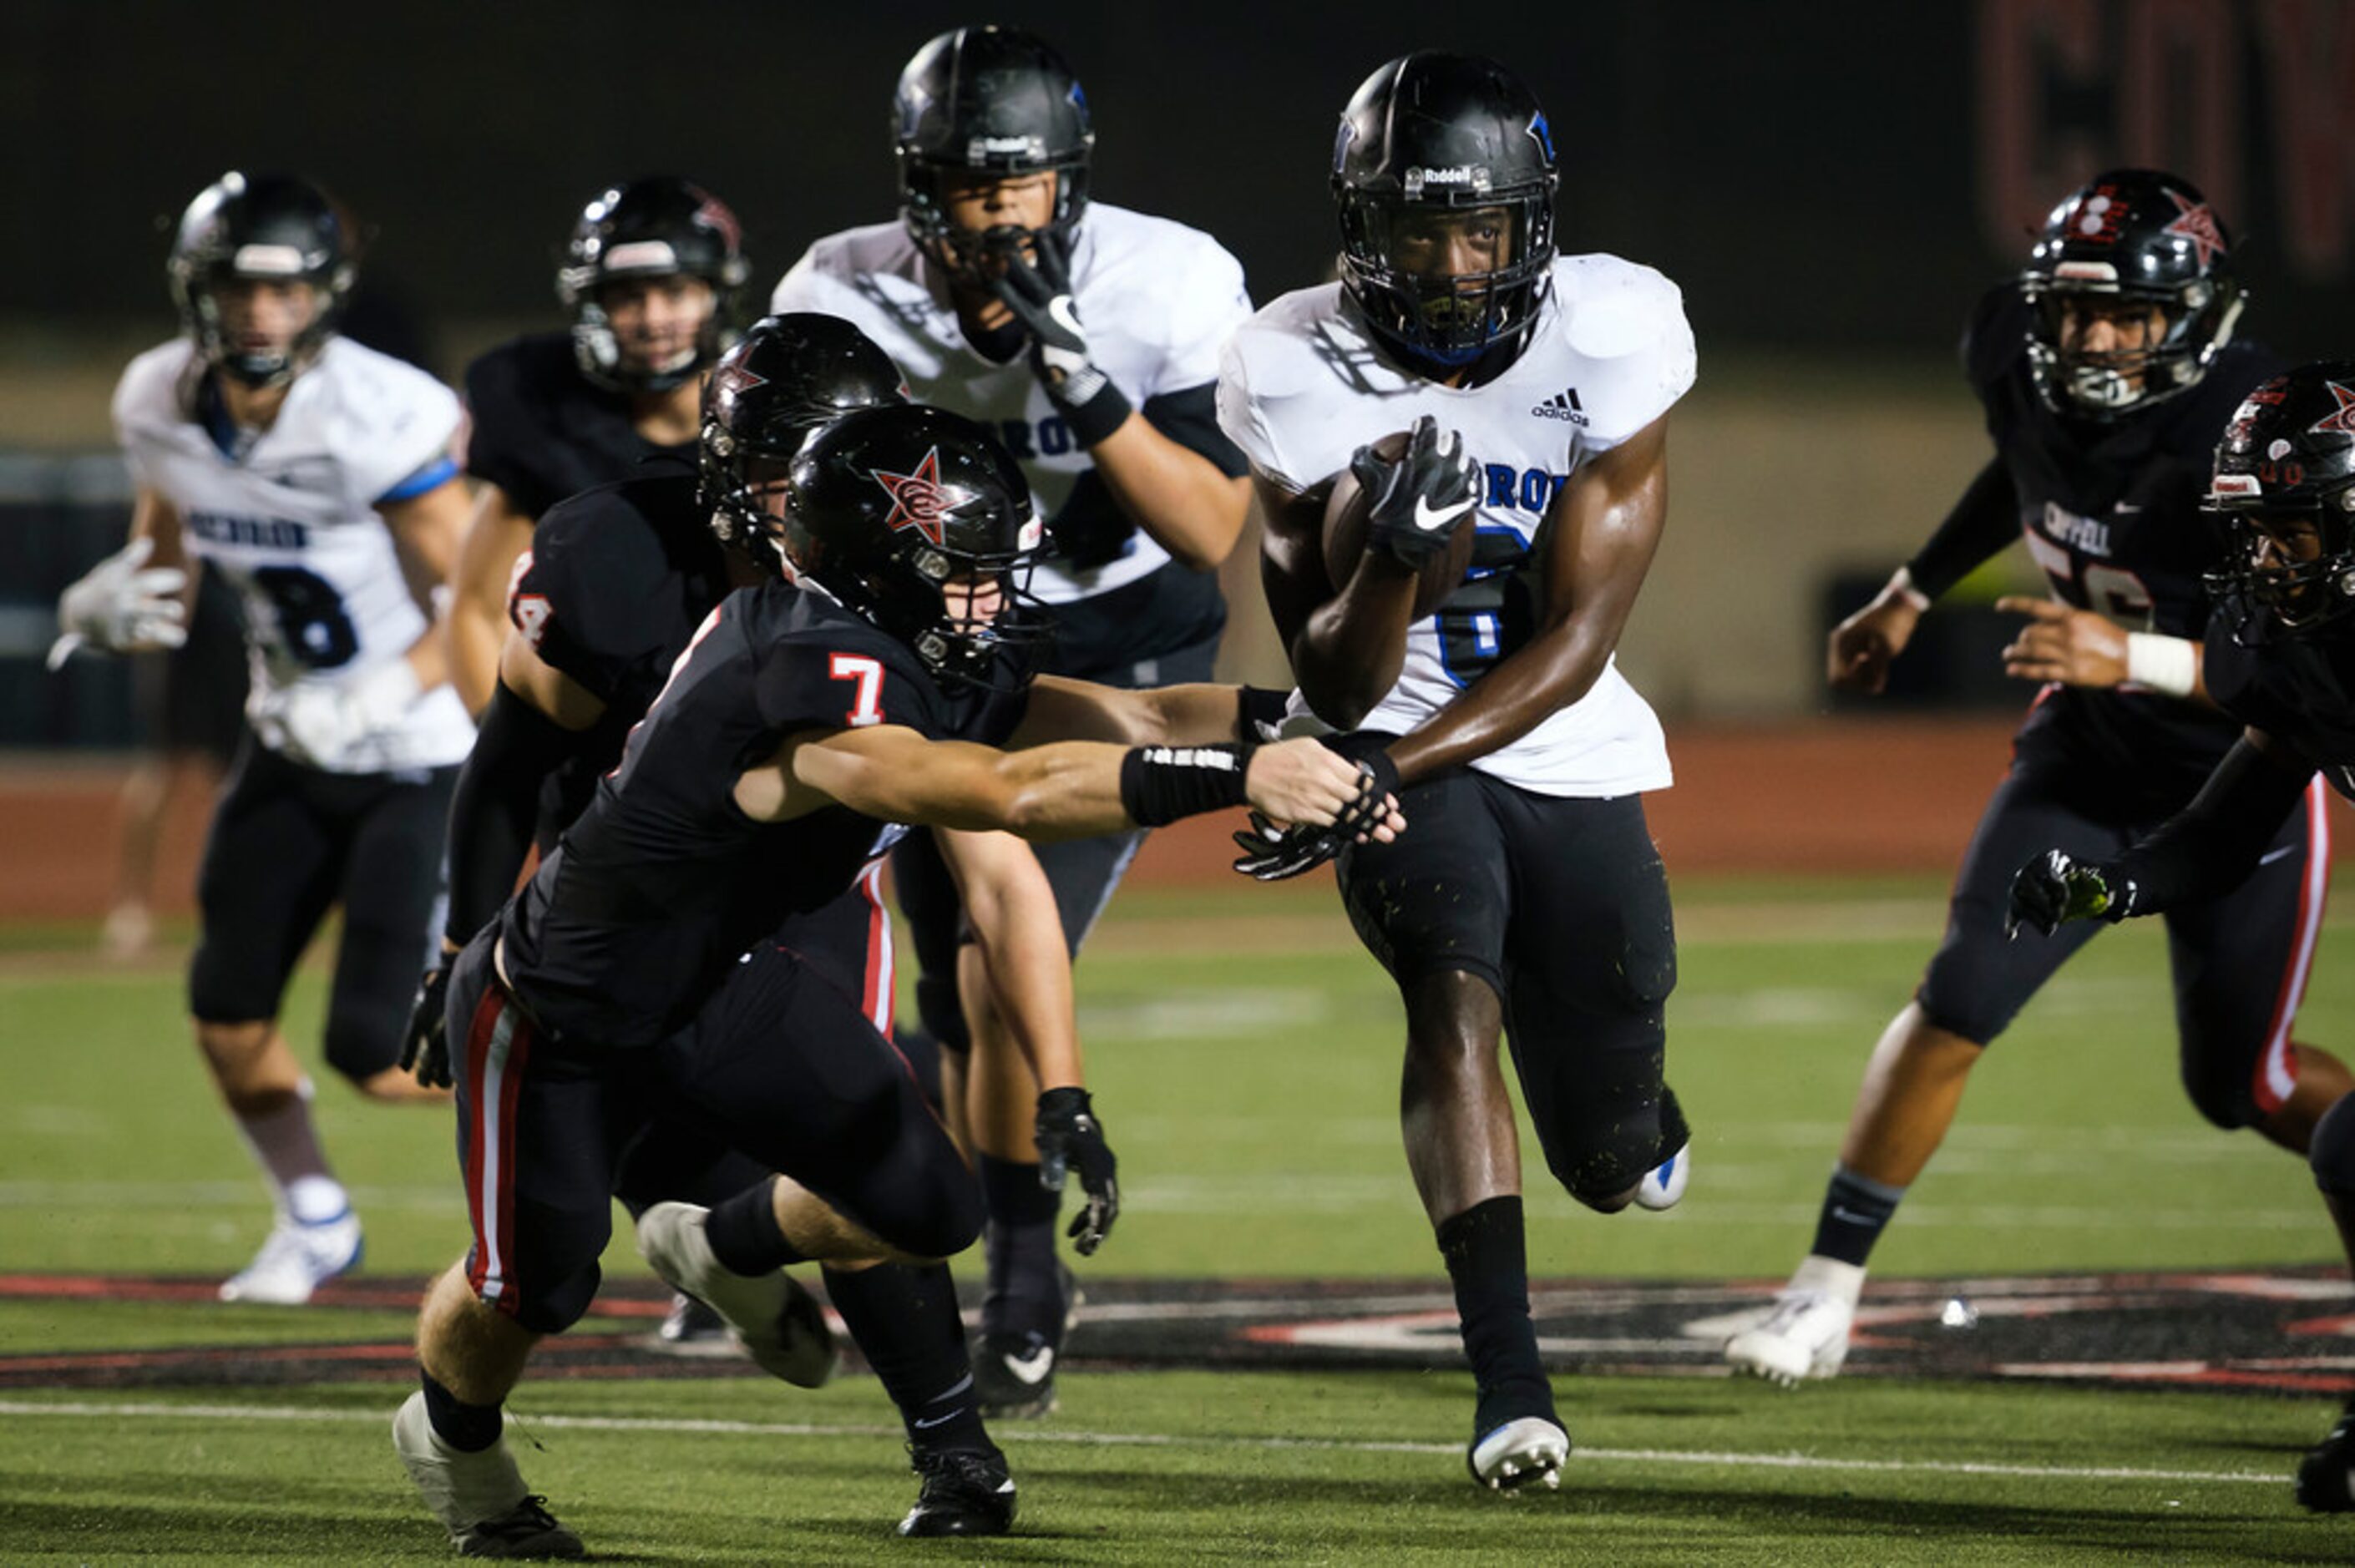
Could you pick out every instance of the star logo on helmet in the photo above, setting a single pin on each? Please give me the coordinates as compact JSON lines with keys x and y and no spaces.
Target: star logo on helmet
{"x":916,"y":499}
{"x":2196,"y":222}
{"x":2340,"y":421}
{"x":733,"y":380}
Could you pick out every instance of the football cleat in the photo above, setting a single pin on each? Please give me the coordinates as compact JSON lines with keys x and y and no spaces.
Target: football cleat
{"x":295,"y":1259}
{"x":1014,"y":1379}
{"x":478,"y":1496}
{"x":692,"y":1329}
{"x":1013,"y":1374}
{"x":966,"y":1492}
{"x":1531,"y":1448}
{"x":1664,"y":1182}
{"x":779,"y":1322}
{"x":2326,"y":1476}
{"x":1804,"y":1333}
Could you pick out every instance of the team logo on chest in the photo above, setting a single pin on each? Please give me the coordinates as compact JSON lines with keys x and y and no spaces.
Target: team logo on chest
{"x":916,"y":499}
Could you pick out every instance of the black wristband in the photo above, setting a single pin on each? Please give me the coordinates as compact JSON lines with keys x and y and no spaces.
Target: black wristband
{"x":1103,"y":409}
{"x":1159,"y":784}
{"x":1260,"y":712}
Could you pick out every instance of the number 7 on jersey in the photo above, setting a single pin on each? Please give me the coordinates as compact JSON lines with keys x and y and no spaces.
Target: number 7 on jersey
{"x":864,"y":709}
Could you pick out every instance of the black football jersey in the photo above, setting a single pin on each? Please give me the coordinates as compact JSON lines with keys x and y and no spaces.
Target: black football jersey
{"x":2299,"y":690}
{"x":541,"y":431}
{"x":617,"y":579}
{"x":2110,"y":512}
{"x":664,"y":882}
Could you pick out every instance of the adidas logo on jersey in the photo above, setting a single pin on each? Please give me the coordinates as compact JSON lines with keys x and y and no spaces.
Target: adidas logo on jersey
{"x":1563,"y":405}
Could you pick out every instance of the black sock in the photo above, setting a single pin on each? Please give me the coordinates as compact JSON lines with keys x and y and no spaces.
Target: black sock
{"x":1026,"y":1290}
{"x":1856,"y":1210}
{"x":744,"y":1234}
{"x":905,"y":1322}
{"x":1488,"y":1264}
{"x":469,"y":1428}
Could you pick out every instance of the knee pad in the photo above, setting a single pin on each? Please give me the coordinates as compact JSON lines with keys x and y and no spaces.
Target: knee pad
{"x":2331,"y":1152}
{"x":360,"y":1050}
{"x":1606,"y":1144}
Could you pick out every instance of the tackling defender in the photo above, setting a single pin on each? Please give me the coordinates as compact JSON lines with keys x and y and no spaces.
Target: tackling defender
{"x":2107,"y":371}
{"x":2280,"y":660}
{"x":1529,"y":900}
{"x":1086,"y":336}
{"x":633,"y":977}
{"x":315,"y":475}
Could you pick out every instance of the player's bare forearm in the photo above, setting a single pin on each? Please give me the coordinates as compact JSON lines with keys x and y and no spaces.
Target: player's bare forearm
{"x":1011,"y":906}
{"x":1346,"y":645}
{"x":1173,"y":492}
{"x":1061,"y":708}
{"x":1605,"y":529}
{"x":495,"y":535}
{"x":428,"y":532}
{"x":156,"y":518}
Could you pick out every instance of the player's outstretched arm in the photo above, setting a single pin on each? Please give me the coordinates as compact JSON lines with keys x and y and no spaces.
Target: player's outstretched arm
{"x":497,"y":534}
{"x":2080,"y":648}
{"x":1202,"y":714}
{"x":428,"y":532}
{"x":1601,"y":534}
{"x":1983,"y":521}
{"x":1064,"y":789}
{"x":2201,"y":854}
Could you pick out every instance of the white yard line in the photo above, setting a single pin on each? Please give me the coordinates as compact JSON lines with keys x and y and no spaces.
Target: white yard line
{"x":95,"y":1410}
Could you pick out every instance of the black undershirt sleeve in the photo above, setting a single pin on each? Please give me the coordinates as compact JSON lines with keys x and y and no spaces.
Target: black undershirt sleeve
{"x":496,"y":806}
{"x":1981,"y":524}
{"x":2209,"y":848}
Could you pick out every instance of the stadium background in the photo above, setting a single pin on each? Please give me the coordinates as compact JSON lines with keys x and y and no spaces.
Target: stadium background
{"x":1831,"y":184}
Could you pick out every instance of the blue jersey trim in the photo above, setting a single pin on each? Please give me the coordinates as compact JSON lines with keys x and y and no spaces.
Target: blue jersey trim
{"x":434,"y":475}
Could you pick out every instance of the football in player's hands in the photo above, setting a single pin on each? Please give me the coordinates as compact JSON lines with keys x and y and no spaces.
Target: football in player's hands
{"x":1348,"y":513}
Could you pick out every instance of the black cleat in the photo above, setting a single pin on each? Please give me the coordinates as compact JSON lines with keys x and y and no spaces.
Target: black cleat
{"x":524,"y":1530}
{"x":966,"y":1492}
{"x":2326,"y":1476}
{"x":1013,"y":1374}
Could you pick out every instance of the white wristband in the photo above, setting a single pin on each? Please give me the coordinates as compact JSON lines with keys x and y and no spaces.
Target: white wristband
{"x":2170,"y":664}
{"x":1903,"y":586}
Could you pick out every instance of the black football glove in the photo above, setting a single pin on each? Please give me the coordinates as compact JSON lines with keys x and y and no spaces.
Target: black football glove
{"x":1070,"y":1136}
{"x":2054,"y":887}
{"x":1272,"y":853}
{"x":426,"y":1044}
{"x":1040,"y":295}
{"x":1422,"y":498}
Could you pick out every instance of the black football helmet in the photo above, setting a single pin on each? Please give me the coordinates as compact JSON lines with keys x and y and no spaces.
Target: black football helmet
{"x":785,"y":378}
{"x":262,"y":226}
{"x":657,"y":228}
{"x":2285,"y":491}
{"x":987,"y":101}
{"x":2132,"y":235}
{"x":887,"y":506}
{"x":1450,"y":131}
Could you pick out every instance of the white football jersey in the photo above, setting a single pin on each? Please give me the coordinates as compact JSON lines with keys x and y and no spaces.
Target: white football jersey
{"x":1302,"y":387}
{"x":290,"y":521}
{"x":1157,"y":300}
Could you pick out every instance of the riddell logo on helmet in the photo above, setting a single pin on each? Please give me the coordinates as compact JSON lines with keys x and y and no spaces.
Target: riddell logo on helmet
{"x":916,"y":499}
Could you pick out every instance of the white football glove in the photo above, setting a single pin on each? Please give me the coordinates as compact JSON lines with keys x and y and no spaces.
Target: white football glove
{"x":122,"y":604}
{"x":316,"y":722}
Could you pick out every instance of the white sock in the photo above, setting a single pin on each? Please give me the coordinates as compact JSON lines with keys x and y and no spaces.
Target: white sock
{"x":287,"y":1149}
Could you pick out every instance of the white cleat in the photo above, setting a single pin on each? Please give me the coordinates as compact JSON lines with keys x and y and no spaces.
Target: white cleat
{"x":1530,"y":1449}
{"x":295,"y":1259}
{"x":779,"y":1322}
{"x":1664,"y":1182}
{"x":1804,"y":1334}
{"x":479,"y":1498}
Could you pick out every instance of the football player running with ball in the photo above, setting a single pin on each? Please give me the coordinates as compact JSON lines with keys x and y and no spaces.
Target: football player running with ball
{"x":2280,"y":657}
{"x":1086,"y":336}
{"x":315,"y":476}
{"x":2107,"y":371}
{"x":1527,"y":901}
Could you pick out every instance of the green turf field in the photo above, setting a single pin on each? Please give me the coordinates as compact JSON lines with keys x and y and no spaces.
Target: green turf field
{"x":1244,"y":1054}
